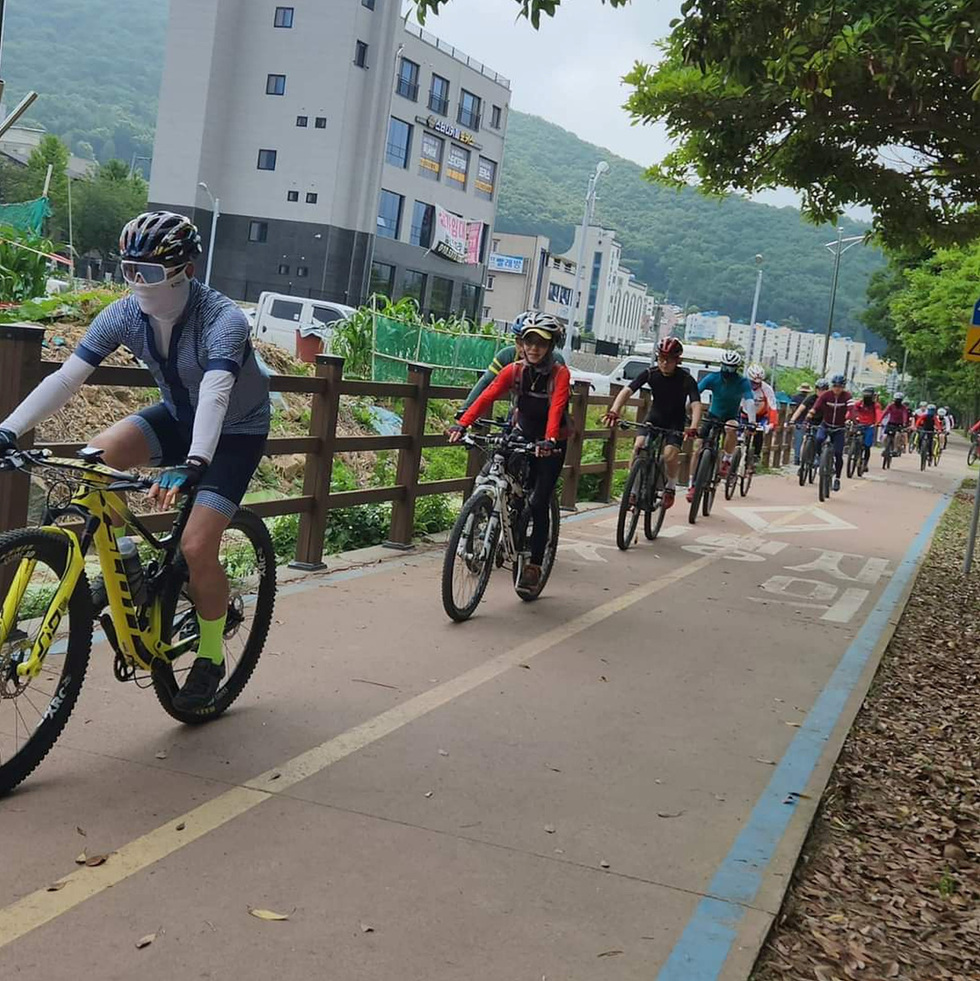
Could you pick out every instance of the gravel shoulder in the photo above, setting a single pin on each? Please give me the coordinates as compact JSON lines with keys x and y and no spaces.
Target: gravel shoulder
{"x":888,"y":883}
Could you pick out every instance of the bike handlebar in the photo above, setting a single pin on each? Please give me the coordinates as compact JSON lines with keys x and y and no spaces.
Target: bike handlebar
{"x":42,"y":459}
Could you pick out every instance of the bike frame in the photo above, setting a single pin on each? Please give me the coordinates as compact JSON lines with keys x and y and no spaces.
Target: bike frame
{"x":98,"y":499}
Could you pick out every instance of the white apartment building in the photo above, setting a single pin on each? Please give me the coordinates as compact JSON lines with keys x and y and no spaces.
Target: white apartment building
{"x":334,"y":135}
{"x":709,"y":325}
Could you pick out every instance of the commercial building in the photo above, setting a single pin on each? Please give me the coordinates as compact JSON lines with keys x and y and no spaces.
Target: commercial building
{"x":351,"y":151}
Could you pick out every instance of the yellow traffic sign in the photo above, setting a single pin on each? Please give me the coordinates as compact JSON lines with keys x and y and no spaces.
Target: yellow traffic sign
{"x":971,"y":348}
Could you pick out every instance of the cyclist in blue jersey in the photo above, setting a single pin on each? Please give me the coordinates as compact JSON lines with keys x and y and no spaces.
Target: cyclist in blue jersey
{"x":209,"y":430}
{"x":728,"y":388}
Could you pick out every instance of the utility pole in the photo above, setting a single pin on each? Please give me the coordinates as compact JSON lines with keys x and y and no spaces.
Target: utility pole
{"x":838,"y":248}
{"x":758,"y":290}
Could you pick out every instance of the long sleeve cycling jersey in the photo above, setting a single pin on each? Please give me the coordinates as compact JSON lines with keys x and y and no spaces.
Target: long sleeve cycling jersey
{"x":833,"y":405}
{"x":865,"y":415}
{"x":504,"y":357}
{"x":895,"y":415}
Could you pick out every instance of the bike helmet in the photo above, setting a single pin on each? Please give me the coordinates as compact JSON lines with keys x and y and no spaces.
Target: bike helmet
{"x":922,"y":405}
{"x":822,"y":384}
{"x":942,"y":412}
{"x":670,"y":347}
{"x":517,"y":324}
{"x":869,"y":390}
{"x":731,"y":361}
{"x":160,"y":236}
{"x":930,"y":408}
{"x":756,"y":373}
{"x":899,"y":397}
{"x":837,"y":380}
{"x":542,"y":324}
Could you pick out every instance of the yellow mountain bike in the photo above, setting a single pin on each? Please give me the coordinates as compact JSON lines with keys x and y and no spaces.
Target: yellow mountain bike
{"x":46,"y":619}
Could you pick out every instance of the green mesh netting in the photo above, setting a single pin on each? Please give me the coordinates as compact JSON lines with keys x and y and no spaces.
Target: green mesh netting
{"x":27,"y":216}
{"x":456,"y":359}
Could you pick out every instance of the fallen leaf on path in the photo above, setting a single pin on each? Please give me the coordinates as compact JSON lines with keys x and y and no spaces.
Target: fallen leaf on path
{"x":275,"y":776}
{"x":761,"y":759}
{"x":145,"y":941}
{"x":794,"y":725}
{"x":181,"y":826}
{"x":527,"y":666}
{"x":367,"y":928}
{"x":891,"y":971}
{"x":550,"y":829}
{"x":554,"y":769}
{"x":602,"y":677}
{"x":162,"y":755}
{"x":443,"y":752}
{"x":428,"y":793}
{"x":55,"y":886}
{"x":604,"y":864}
{"x":669,"y":814}
{"x":609,"y":953}
{"x":82,"y":859}
{"x":267,"y":914}
{"x":96,"y":860}
{"x":953,"y":853}
{"x":79,"y":830}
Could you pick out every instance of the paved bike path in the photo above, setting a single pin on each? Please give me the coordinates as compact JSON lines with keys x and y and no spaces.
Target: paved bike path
{"x":545,"y":791}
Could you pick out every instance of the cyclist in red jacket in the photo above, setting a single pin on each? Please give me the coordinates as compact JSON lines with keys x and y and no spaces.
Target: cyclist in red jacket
{"x":898,"y":414}
{"x":867,"y":414}
{"x":833,"y":406}
{"x":539,"y":389}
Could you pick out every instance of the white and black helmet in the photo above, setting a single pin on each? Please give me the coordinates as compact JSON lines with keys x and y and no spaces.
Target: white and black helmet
{"x":543,"y":324}
{"x":731,"y":360}
{"x":756,"y":373}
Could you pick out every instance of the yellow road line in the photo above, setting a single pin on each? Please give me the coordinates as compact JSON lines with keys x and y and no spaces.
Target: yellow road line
{"x":42,"y":906}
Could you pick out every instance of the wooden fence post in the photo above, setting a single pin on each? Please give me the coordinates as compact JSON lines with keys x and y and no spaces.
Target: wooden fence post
{"x":789,"y":435}
{"x":767,"y":447}
{"x":410,"y":458}
{"x":319,"y":466}
{"x":573,"y":457}
{"x":609,"y":453}
{"x":20,"y":373}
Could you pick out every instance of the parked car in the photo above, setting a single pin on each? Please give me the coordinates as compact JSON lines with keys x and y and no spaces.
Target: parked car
{"x":698,"y":360}
{"x":287,"y":321}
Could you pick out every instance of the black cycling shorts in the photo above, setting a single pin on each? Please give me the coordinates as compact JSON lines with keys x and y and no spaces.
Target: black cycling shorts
{"x":226,"y":478}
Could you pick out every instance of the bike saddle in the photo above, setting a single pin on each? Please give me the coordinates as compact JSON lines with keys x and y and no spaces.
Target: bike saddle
{"x":91,"y":454}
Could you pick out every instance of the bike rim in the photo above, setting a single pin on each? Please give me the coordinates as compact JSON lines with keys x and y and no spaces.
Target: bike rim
{"x":473,"y":554}
{"x":24,"y":701}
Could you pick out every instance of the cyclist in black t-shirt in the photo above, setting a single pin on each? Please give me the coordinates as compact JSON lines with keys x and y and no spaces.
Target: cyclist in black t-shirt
{"x":672,"y":388}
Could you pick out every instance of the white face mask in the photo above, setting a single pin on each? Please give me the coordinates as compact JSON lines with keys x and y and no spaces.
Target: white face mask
{"x":166,"y":300}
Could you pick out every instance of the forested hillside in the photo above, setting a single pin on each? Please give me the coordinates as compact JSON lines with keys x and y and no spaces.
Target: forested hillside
{"x":97,"y":65}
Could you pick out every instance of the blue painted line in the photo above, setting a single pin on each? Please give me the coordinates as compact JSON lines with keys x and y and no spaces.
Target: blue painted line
{"x":703,"y":948}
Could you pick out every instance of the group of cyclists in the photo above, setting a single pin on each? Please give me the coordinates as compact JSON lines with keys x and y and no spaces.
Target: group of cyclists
{"x":209,"y":431}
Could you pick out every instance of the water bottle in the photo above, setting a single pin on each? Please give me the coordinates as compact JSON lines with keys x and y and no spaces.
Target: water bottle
{"x":134,"y":569}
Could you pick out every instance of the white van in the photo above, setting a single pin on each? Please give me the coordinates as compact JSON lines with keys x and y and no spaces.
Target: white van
{"x":697,"y":359}
{"x":281,"y":319}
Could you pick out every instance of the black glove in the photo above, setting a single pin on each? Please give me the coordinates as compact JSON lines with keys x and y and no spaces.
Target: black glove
{"x":545,"y":447}
{"x":184,"y":477}
{"x":8,"y":441}
{"x":457,"y":429}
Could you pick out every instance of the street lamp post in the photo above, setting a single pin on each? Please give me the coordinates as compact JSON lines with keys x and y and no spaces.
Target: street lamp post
{"x":838,"y":248}
{"x":215,"y":211}
{"x":600,"y":168}
{"x":758,"y":289}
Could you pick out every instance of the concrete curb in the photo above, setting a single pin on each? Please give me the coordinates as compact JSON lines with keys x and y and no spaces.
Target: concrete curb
{"x":755,"y":929}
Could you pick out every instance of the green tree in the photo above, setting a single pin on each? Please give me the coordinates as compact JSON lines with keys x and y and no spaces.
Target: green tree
{"x":104,"y":203}
{"x":531,"y":9}
{"x":50,"y":152}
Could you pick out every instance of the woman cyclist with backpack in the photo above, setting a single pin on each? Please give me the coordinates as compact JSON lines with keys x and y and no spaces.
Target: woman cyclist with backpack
{"x":539,"y":388}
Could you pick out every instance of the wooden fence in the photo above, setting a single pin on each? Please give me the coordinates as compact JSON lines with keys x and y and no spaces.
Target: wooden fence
{"x":22,"y":368}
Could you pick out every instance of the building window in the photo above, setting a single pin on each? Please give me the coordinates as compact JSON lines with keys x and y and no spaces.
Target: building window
{"x":469,"y":296}
{"x":320,"y":122}
{"x":593,"y":290}
{"x":267,"y":159}
{"x":275,"y":85}
{"x":495,"y":115}
{"x":302,"y":272}
{"x":399,"y":142}
{"x":486,"y":179}
{"x":360,"y":54}
{"x":413,"y":285}
{"x":382,"y":279}
{"x":408,"y":80}
{"x":457,"y":166}
{"x":389,"y":214}
{"x":562,"y":295}
{"x":283,"y":269}
{"x":490,"y":280}
{"x":469,"y":110}
{"x":311,"y":197}
{"x":292,"y":195}
{"x":441,"y":297}
{"x":302,"y":121}
{"x":258,"y":231}
{"x":284,"y":17}
{"x":430,"y":158}
{"x":423,"y":218}
{"x":368,"y":3}
{"x":439,"y":95}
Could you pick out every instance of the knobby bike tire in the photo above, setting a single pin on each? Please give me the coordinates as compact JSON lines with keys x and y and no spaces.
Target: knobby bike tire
{"x":924,"y":454}
{"x":164,"y":681}
{"x":702,"y":476}
{"x":971,"y":456}
{"x":51,"y":549}
{"x":708,"y":498}
{"x":852,"y":459}
{"x":886,"y":453}
{"x":482,"y":500}
{"x":806,"y":461}
{"x":745,"y":482}
{"x":550,"y":550}
{"x":823,"y":478}
{"x":731,"y":481}
{"x":653,"y":516}
{"x":629,"y":519}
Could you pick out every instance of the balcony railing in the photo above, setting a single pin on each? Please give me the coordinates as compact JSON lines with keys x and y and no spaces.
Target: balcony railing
{"x":468,"y":118}
{"x":407,"y":88}
{"x":457,"y":54}
{"x":438,"y":104}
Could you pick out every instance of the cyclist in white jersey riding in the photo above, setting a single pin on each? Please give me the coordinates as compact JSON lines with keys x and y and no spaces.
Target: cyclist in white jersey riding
{"x":209,"y":430}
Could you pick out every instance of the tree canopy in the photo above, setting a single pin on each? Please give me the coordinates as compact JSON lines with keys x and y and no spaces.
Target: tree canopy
{"x":104,"y":203}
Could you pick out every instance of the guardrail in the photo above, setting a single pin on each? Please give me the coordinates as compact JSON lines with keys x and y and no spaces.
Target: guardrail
{"x":22,"y":368}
